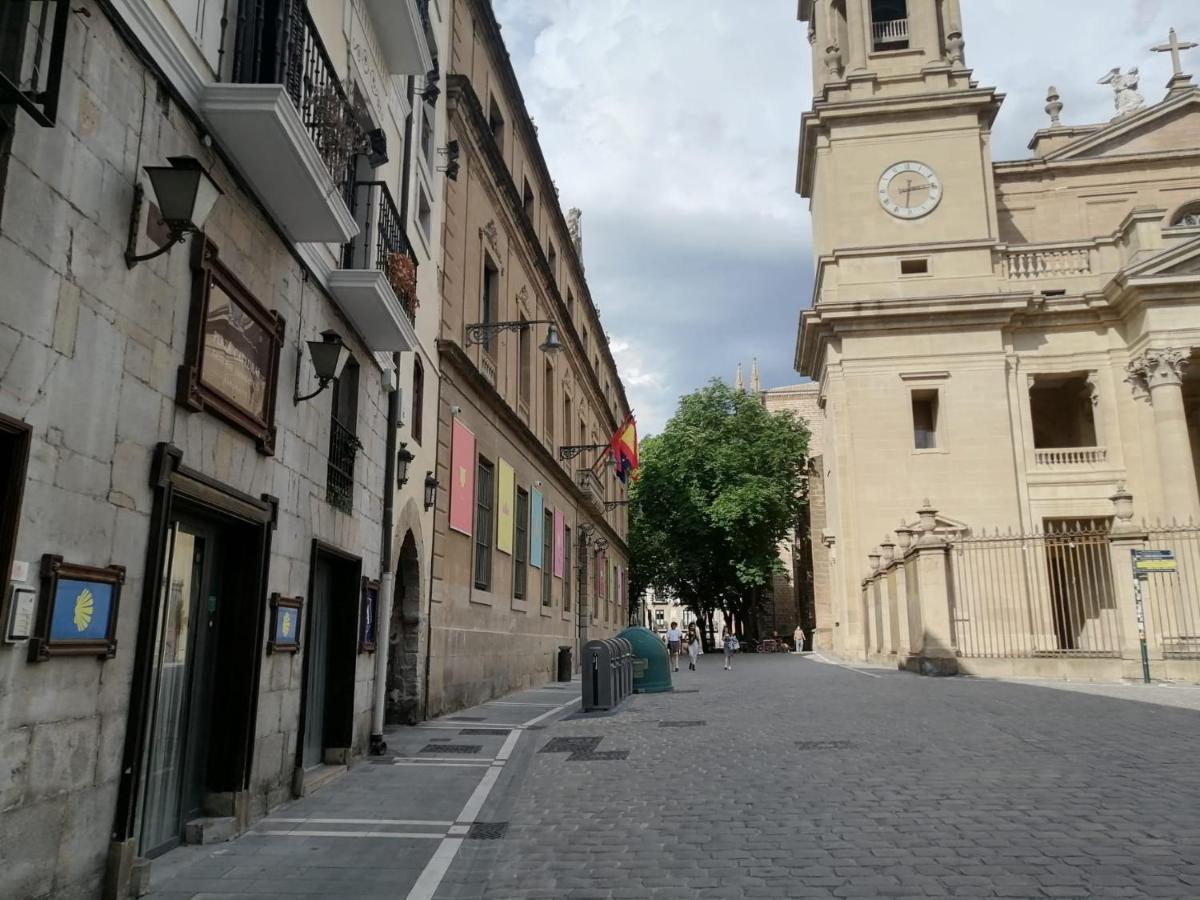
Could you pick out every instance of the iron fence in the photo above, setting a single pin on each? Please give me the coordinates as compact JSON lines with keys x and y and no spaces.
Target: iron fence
{"x":1172,"y":599}
{"x":1049,"y":593}
{"x":343,"y":448}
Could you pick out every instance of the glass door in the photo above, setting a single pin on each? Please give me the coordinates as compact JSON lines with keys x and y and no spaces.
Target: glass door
{"x":318,"y":664}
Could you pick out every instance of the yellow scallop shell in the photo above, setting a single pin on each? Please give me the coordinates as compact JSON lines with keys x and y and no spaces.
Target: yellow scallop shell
{"x":286,"y":626}
{"x":84,"y":606}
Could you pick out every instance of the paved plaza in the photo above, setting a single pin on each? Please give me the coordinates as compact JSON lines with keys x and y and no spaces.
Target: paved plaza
{"x":785,"y":777}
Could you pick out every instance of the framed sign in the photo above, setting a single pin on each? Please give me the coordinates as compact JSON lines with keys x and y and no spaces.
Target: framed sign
{"x":285,"y":624}
{"x":368,"y":611}
{"x":231,"y":366}
{"x":77,"y":615}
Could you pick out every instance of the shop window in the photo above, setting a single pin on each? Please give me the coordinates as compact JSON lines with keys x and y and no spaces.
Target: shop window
{"x":14,"y":458}
{"x":547,"y":557}
{"x":418,"y":400}
{"x":484,"y":492}
{"x":521,"y":551}
{"x":925,"y":419}
{"x":343,"y":441}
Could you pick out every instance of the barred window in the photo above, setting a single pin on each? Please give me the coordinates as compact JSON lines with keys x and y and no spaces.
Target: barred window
{"x":484,"y":490}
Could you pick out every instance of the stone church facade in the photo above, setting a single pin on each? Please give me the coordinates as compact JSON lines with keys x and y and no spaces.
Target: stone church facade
{"x":998,"y":344}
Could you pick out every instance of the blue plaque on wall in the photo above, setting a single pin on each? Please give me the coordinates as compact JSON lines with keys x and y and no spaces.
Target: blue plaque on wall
{"x":78,"y":610}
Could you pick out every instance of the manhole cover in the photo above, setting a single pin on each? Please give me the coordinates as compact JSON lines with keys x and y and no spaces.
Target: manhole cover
{"x":686,"y":691}
{"x":466,"y":718}
{"x":824,"y":745}
{"x":451,"y":748}
{"x":695,"y":723}
{"x":595,"y":755}
{"x":492,"y":731}
{"x":487,"y":831}
{"x":571,"y":744}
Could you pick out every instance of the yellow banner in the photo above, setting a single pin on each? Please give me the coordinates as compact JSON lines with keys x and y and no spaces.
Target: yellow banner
{"x":504,"y":510}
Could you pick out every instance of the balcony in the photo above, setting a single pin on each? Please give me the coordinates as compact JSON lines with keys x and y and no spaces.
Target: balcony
{"x":591,"y":485}
{"x":890,"y":35}
{"x":286,"y":121}
{"x":376,"y":286}
{"x":1046,"y":261}
{"x":1070,"y":457}
{"x":403,"y":29}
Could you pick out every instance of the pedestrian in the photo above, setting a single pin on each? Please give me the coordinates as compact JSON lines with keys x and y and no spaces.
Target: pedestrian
{"x":798,"y":637}
{"x":695,"y":648}
{"x":674,"y":642}
{"x":730,"y":644}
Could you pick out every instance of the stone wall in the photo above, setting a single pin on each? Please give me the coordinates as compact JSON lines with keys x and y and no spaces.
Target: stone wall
{"x":89,"y":353}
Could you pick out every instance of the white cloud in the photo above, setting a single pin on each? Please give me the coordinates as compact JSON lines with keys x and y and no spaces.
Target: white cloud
{"x":674,"y":124}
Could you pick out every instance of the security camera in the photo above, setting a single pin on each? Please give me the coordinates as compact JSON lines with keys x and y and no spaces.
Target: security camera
{"x":538,"y":483}
{"x":455,"y":410}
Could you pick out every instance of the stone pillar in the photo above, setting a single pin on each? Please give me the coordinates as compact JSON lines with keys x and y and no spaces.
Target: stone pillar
{"x":870,"y":592}
{"x":1160,"y":373}
{"x":939,"y":654}
{"x":888,"y":605}
{"x":903,"y":542}
{"x":1123,"y":540}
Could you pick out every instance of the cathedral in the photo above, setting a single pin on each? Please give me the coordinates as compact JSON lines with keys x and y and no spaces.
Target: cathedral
{"x":1003,"y":353}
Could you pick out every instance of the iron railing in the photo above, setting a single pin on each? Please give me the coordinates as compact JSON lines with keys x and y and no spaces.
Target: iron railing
{"x":1043,"y":594}
{"x":343,"y":448}
{"x":33,"y":37}
{"x":380,"y":238}
{"x":1172,"y":600}
{"x":278,"y":43}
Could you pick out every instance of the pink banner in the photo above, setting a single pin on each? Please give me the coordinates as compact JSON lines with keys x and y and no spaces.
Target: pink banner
{"x":462,"y":477}
{"x":560,"y":543}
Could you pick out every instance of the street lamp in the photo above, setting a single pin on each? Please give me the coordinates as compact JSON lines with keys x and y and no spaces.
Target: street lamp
{"x":185,"y":195}
{"x":404,"y":456}
{"x":481,"y":332}
{"x":431,"y":485}
{"x":329,"y":357}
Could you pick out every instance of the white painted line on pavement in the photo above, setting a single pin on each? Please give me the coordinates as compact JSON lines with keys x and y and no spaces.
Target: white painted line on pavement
{"x":430,"y":765}
{"x":432,"y":759}
{"x":435,"y":869}
{"x":509,"y":703}
{"x":460,"y":829}
{"x":480,"y":794}
{"x":830,"y":662}
{"x":355,"y":834}
{"x":506,"y":748}
{"x":271,"y":819}
{"x":547,"y":715}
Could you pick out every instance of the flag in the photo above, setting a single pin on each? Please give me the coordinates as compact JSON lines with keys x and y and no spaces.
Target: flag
{"x":462,"y":478}
{"x":624,"y":448}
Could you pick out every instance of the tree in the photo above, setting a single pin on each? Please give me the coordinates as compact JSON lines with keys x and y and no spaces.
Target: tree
{"x":716,"y":492}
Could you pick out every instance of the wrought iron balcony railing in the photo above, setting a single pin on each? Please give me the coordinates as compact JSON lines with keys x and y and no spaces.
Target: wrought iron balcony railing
{"x":343,"y":448}
{"x":382,"y":242}
{"x":278,"y":43}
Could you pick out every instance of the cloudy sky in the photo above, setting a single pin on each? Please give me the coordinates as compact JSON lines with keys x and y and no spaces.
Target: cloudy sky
{"x":673,"y":125}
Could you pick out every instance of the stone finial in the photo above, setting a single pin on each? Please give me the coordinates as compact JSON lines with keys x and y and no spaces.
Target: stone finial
{"x":889,"y":551}
{"x":739,"y":383}
{"x":1126,"y":98}
{"x":1155,"y":368}
{"x":1122,"y":502}
{"x":834,"y":65}
{"x":1054,"y":106}
{"x":874,"y":557}
{"x":904,"y":536}
{"x":955,"y":48}
{"x":928,"y":522}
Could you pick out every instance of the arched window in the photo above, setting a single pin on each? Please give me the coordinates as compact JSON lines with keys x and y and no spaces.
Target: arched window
{"x":1188,"y":216}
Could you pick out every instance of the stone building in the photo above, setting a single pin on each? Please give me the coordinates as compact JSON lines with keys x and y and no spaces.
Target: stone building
{"x":193,"y":546}
{"x":529,"y":543}
{"x":1002,"y":344}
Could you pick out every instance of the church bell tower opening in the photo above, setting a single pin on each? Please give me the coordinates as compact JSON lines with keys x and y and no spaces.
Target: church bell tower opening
{"x":889,"y":25}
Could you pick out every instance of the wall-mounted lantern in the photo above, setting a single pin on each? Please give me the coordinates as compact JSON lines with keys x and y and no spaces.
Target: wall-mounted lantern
{"x":185,"y":195}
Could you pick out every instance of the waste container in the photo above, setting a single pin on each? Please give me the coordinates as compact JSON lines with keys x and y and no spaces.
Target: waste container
{"x":651,"y":667}
{"x":564,"y":663}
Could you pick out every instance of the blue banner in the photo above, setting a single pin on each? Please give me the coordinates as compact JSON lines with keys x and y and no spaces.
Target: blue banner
{"x":535,"y":528}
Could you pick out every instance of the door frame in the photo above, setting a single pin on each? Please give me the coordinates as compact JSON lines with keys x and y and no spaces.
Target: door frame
{"x":345,"y":726}
{"x":175,"y":485}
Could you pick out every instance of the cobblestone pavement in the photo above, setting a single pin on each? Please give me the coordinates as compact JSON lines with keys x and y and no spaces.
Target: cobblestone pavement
{"x":787,"y":778}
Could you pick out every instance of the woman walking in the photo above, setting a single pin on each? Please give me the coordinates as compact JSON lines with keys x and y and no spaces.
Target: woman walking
{"x":674,"y":642}
{"x":694,"y":647}
{"x":729,"y":644}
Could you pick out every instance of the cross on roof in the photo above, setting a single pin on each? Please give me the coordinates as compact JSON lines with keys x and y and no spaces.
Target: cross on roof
{"x":1174,"y":46}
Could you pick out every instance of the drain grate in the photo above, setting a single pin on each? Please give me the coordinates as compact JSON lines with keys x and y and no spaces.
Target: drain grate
{"x":595,"y":755}
{"x":571,"y":744}
{"x":451,"y":748}
{"x":439,"y":740}
{"x":693,"y":723}
{"x":466,"y":718}
{"x":492,"y":731}
{"x":824,"y":745}
{"x":487,"y":831}
{"x":686,"y":691}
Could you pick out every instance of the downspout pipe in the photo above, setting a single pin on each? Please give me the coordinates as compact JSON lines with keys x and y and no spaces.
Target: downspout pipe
{"x":387,"y":580}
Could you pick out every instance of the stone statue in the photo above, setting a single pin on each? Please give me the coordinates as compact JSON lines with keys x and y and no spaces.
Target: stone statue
{"x":1125,"y":87}
{"x":575,"y":230}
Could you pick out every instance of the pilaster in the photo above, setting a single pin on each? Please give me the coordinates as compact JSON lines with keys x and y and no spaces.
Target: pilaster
{"x":1160,"y":373}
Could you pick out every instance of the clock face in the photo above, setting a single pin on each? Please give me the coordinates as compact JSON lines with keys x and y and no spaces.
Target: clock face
{"x":909,"y":190}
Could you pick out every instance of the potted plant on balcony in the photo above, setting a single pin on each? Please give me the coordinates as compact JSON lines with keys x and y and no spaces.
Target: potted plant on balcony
{"x":401,"y":271}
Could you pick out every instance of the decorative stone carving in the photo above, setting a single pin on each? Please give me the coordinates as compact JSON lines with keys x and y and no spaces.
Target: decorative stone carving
{"x":834,"y":64}
{"x":955,"y":47}
{"x":1174,"y":46}
{"x":1125,"y":89}
{"x":575,"y":229}
{"x":523,"y":294}
{"x":904,"y":536}
{"x":491,"y":234}
{"x":1093,"y":388}
{"x":889,"y":552}
{"x":1156,"y":368}
{"x":1122,"y":502}
{"x":1054,"y":106}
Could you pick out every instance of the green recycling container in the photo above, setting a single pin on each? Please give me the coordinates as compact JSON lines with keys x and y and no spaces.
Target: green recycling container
{"x":651,"y":665}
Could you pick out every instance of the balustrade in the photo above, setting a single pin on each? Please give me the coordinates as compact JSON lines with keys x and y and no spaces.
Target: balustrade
{"x":1071,"y":456}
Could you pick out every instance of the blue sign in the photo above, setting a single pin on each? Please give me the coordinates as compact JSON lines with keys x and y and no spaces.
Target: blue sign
{"x":82,"y":610}
{"x":287,"y":625}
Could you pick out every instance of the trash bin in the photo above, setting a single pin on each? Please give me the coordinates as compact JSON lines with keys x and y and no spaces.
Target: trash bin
{"x":650,"y":668}
{"x":564,"y":663}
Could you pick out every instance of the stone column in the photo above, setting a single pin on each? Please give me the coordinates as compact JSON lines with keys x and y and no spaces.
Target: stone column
{"x":903,"y":542}
{"x":939,"y":654}
{"x":887,"y":584}
{"x":1123,"y":540}
{"x":870,"y":593}
{"x":1160,"y":373}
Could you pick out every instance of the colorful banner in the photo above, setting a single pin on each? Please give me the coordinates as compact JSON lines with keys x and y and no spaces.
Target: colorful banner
{"x":504,"y":510}
{"x":462,"y":477}
{"x":535,"y":529}
{"x":560,"y":542}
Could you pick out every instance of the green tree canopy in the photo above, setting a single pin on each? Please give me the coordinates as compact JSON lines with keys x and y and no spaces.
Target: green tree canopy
{"x":716,"y":492}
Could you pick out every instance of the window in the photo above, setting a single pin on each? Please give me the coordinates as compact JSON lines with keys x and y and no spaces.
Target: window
{"x":1062,"y":412}
{"x":548,"y":403}
{"x":528,"y":201}
{"x":566,"y":569}
{"x":889,"y":24}
{"x":524,"y":354}
{"x":925,"y":419}
{"x":14,"y":458}
{"x":547,"y":557}
{"x":424,"y":214}
{"x":521,"y":552}
{"x":914,"y":267}
{"x":418,"y":400}
{"x":1188,"y":217}
{"x":552,"y":258}
{"x":32,"y":45}
{"x":582,"y":431}
{"x":566,"y":420}
{"x":343,"y":442}
{"x":490,"y":300}
{"x":496,"y":124}
{"x":428,"y":146}
{"x":570,"y":304}
{"x":483,"y":524}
